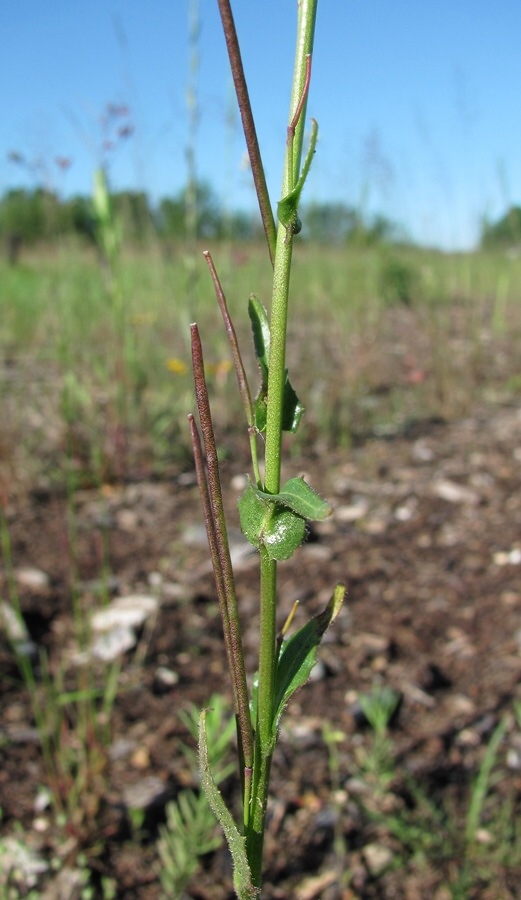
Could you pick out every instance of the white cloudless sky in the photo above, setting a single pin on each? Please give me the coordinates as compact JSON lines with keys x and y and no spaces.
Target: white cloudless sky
{"x":418,"y":101}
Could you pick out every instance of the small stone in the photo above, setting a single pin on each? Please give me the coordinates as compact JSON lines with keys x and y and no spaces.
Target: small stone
{"x":461,"y":705}
{"x":510,"y":598}
{"x":406,"y":511}
{"x":377,"y":857}
{"x":312,"y":887}
{"x":43,"y":800}
{"x":459,"y":644}
{"x":121,"y":748}
{"x":513,"y":759}
{"x":32,"y":578}
{"x":127,"y":520}
{"x":155,"y":580}
{"x":370,"y":644}
{"x":421,"y":452}
{"x":352,"y":512}
{"x":21,"y":865}
{"x":127,"y":612}
{"x":164,"y":679}
{"x":483,"y":836}
{"x":110,"y":645}
{"x":140,"y":759}
{"x":150,"y":791}
{"x":508,"y":557}
{"x":239,"y":483}
{"x":468,"y":737}
{"x":454,"y":492}
{"x":377,"y":523}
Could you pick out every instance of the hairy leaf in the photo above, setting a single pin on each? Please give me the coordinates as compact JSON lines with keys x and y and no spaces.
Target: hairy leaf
{"x":270,"y":524}
{"x":242,"y":882}
{"x":261,"y":335}
{"x":298,"y":655}
{"x":301,"y":498}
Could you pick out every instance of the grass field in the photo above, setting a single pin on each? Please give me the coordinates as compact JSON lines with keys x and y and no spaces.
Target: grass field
{"x":397,"y":335}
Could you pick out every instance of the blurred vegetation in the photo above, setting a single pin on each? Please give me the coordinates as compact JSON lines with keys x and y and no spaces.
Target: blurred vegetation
{"x":504,"y":234}
{"x":31,"y":216}
{"x":40,"y":215}
{"x":385,"y":336}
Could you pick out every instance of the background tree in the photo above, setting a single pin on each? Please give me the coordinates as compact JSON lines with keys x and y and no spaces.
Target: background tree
{"x":504,"y":233}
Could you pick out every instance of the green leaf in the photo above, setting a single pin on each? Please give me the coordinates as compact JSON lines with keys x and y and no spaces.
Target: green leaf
{"x":287,"y":207}
{"x":298,"y":655}
{"x":252,"y":514}
{"x":287,"y":212}
{"x":292,"y":408}
{"x":260,"y":411}
{"x":302,"y":499}
{"x":267,"y":523}
{"x":284,"y":532}
{"x":261,"y":336}
{"x":242,"y":882}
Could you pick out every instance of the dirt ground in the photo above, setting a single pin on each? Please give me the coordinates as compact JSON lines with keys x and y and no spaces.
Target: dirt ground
{"x":426,"y":536}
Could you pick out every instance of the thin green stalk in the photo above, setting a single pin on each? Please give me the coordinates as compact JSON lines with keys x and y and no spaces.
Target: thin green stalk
{"x":272,"y":518}
{"x":276,"y":381}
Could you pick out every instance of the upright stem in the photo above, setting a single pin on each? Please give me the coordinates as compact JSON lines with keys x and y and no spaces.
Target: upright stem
{"x":284,"y":249}
{"x":211,"y":496}
{"x":248,"y":125}
{"x":264,"y":738}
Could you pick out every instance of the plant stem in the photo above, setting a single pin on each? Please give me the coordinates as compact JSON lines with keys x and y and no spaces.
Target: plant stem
{"x":211,"y":496}
{"x":284,"y":251}
{"x":264,"y":737}
{"x":248,"y":125}
{"x":242,"y":380}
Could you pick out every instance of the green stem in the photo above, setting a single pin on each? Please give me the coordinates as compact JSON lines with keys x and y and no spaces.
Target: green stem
{"x":264,"y":737}
{"x":284,"y":249}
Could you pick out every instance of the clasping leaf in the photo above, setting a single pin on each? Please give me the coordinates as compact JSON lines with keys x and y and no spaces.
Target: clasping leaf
{"x":302,"y":499}
{"x":271,"y":525}
{"x":287,"y":208}
{"x":292,"y":408}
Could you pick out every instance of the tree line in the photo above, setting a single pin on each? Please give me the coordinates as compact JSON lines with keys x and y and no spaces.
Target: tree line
{"x":37,"y":215}
{"x":28,"y":216}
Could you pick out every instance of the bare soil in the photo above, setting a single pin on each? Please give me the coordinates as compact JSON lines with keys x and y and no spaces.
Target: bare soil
{"x":426,"y":536}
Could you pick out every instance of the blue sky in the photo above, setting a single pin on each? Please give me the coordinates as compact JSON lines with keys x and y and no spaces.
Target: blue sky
{"x":418,"y":101}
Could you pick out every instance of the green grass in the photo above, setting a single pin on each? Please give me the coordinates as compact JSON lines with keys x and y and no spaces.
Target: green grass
{"x":459,"y":837}
{"x":365,"y":360}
